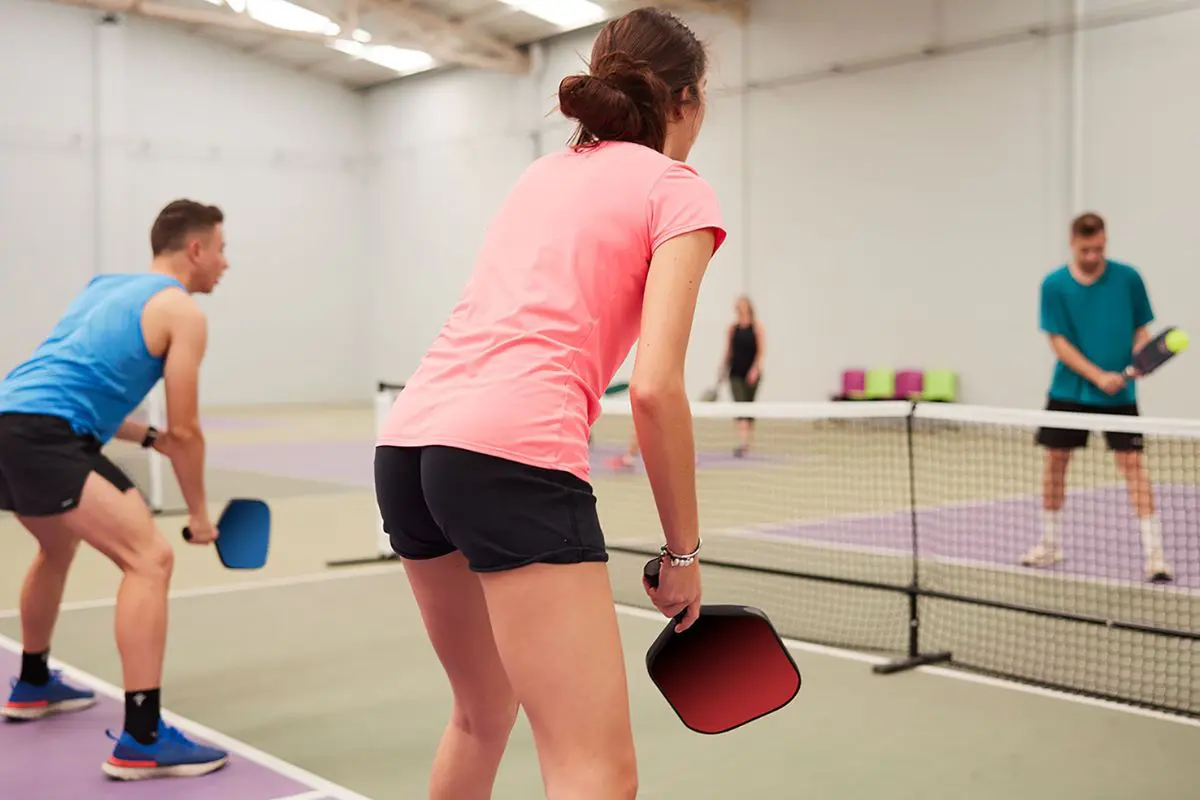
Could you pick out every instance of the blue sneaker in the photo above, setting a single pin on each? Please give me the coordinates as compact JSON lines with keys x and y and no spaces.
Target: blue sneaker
{"x":57,"y":697}
{"x":172,"y":756}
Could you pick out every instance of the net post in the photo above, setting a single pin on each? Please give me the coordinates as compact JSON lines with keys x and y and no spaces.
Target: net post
{"x":157,"y":418}
{"x":384,"y":394}
{"x":383,"y":405}
{"x":915,"y":657}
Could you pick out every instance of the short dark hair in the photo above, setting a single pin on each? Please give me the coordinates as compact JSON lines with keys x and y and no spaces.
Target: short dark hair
{"x":645,"y":65}
{"x":1085,"y":226}
{"x":178,"y":220}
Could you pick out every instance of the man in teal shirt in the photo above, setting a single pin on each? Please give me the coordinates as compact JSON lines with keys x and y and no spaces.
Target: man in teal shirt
{"x":1096,"y":312}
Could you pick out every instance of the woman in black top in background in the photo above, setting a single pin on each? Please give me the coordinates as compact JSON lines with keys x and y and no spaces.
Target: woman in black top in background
{"x":743,"y":365}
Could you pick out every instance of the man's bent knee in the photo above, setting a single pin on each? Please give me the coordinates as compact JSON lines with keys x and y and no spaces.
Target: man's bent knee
{"x":155,"y":559}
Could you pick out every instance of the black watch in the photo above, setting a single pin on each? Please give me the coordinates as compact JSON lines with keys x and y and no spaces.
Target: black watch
{"x":151,"y":437}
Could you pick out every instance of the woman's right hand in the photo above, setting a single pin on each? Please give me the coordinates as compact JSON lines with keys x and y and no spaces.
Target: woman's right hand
{"x":678,"y":589}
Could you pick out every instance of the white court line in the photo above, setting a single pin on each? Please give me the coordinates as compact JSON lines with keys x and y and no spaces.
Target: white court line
{"x":320,"y":786}
{"x":314,"y":795}
{"x":230,"y":588}
{"x":632,"y":611}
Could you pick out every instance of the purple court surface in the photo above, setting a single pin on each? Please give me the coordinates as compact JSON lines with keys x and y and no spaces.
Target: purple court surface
{"x":59,"y":758}
{"x":352,"y":463}
{"x":1100,"y":535}
{"x":600,"y":455}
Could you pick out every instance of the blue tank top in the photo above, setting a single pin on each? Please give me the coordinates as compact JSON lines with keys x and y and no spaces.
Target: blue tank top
{"x":94,"y":369}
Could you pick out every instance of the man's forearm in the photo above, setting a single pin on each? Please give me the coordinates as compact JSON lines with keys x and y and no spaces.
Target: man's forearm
{"x":131,"y":431}
{"x":1141,"y":337}
{"x":1076,"y":361}
{"x":187,"y":459}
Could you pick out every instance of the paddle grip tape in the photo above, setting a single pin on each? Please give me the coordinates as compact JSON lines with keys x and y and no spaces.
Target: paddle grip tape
{"x":651,"y":570}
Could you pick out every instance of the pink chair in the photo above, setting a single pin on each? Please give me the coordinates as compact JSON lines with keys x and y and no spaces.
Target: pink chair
{"x":909,"y":384}
{"x":854,"y":383}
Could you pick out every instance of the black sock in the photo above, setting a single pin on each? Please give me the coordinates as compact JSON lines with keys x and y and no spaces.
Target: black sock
{"x":35,"y":668}
{"x":141,"y":715}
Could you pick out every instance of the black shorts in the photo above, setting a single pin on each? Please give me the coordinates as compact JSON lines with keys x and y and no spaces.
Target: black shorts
{"x":1071,"y":438}
{"x":44,"y":464}
{"x":500,"y":514}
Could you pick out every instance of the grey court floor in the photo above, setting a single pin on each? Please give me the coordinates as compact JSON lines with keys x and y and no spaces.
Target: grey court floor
{"x":323,"y":685}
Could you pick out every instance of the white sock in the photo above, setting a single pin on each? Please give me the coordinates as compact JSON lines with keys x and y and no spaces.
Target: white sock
{"x":1051,"y":525}
{"x":1152,"y":541}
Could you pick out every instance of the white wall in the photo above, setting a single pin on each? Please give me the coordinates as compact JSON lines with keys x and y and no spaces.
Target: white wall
{"x":901,"y":215}
{"x":115,"y":121}
{"x":897,"y":215}
{"x":446,"y":148}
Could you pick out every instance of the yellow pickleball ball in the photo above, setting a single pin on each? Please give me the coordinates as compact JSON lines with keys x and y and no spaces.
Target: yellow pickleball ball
{"x":1176,"y":341}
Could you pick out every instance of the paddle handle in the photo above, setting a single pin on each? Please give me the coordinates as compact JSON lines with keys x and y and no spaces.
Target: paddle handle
{"x":187,"y":534}
{"x":651,"y":570}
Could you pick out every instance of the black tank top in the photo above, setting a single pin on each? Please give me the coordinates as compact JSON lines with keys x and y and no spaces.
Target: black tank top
{"x":744,"y":346}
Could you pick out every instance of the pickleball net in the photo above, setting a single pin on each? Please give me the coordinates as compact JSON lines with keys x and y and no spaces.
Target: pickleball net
{"x":900,"y":529}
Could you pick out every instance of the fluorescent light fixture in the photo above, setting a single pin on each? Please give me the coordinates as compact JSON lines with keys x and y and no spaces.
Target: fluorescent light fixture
{"x":397,"y":59}
{"x":566,"y":14}
{"x":289,"y":16}
{"x":282,"y":14}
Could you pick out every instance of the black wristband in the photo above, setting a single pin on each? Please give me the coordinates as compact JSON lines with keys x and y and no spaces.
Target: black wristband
{"x":150,"y":438}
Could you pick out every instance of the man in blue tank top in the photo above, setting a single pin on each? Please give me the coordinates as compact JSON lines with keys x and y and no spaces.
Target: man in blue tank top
{"x":1096,"y":312}
{"x":57,"y":409}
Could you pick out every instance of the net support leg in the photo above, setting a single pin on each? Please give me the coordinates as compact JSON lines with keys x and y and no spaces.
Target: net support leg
{"x":384,"y":396}
{"x":912,"y":662}
{"x":915,"y":657}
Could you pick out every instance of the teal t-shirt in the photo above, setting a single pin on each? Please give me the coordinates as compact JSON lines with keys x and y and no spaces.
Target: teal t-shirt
{"x":1100,"y":321}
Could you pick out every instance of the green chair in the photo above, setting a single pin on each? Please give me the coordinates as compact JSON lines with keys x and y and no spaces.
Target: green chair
{"x":941,"y":386}
{"x":880,"y":384}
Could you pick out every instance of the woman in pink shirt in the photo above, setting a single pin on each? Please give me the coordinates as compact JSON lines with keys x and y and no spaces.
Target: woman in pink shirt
{"x":481,"y":470}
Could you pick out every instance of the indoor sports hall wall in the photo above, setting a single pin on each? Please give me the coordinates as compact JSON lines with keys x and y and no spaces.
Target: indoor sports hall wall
{"x":901,"y":214}
{"x":101,"y":125}
{"x":446,"y":148}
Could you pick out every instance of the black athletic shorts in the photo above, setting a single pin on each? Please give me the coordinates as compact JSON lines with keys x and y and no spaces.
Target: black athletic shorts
{"x":1071,"y":438}
{"x":500,"y":514}
{"x":44,"y":464}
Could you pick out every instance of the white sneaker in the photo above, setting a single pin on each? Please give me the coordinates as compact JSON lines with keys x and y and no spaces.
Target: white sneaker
{"x":1157,"y":570}
{"x":1043,"y":555}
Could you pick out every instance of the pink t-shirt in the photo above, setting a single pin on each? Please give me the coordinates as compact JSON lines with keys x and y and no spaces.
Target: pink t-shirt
{"x":553,"y":307}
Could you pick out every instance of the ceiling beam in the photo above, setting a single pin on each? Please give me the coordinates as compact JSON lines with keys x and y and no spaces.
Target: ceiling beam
{"x":428,"y":27}
{"x":446,"y":41}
